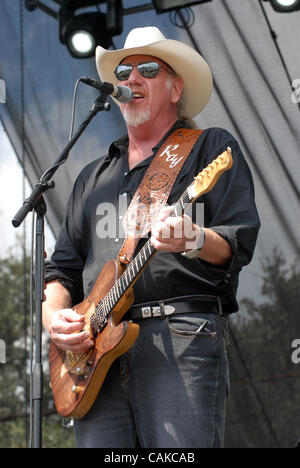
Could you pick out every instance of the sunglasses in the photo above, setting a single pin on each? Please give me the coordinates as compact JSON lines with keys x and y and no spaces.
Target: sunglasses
{"x":147,"y":70}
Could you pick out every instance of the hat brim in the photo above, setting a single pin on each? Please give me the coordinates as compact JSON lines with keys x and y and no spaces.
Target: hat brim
{"x":184,"y":60}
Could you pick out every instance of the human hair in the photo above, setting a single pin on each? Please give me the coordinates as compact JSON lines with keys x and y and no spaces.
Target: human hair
{"x":188,"y":123}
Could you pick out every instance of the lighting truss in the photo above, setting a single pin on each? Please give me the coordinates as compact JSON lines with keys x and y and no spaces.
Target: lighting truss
{"x":162,"y":6}
{"x":81,"y":32}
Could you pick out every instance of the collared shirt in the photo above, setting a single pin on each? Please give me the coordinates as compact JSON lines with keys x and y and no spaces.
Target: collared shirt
{"x":92,"y":232}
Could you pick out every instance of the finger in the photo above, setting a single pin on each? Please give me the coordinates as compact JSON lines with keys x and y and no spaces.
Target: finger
{"x":76,"y":348}
{"x":167,"y":245}
{"x":70,"y":315}
{"x":175,"y":226}
{"x":164,"y":213}
{"x":61,"y":326}
{"x":190,"y":229}
{"x":160,"y":230}
{"x":72,"y":339}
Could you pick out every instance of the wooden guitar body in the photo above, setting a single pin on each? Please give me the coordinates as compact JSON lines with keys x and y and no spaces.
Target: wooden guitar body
{"x":77,"y":378}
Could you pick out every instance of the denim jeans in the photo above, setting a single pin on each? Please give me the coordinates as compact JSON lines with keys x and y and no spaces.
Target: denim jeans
{"x":168,"y":391}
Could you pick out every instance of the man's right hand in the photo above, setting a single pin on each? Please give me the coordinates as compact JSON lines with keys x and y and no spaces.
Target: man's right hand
{"x":66,"y":332}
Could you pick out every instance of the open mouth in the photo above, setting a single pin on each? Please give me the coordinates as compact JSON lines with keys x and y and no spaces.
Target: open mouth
{"x":137,"y":96}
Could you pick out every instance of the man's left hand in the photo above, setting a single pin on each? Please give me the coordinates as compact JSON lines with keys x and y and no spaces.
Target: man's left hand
{"x":174,"y":233}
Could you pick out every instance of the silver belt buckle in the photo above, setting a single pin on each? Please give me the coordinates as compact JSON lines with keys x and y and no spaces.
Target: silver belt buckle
{"x":146,"y":312}
{"x":156,"y":311}
{"x":169,"y":309}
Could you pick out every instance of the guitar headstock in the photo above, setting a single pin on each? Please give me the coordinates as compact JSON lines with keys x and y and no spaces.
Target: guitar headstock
{"x":208,"y":177}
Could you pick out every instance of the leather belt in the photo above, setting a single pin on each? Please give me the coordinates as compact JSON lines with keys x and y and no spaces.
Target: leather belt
{"x":179,"y":305}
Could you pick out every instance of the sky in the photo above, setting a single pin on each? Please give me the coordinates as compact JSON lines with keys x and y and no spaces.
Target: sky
{"x":11,"y":199}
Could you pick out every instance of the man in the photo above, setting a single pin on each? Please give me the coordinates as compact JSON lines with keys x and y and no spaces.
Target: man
{"x":170,"y":388}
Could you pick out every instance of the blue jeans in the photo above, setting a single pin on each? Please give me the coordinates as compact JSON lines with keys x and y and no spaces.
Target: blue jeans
{"x":168,"y":391}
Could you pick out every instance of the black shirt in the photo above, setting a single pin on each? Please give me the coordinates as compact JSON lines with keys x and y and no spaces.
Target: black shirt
{"x":82,"y":249}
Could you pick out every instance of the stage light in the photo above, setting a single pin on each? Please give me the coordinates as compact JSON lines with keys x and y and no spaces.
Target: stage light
{"x":161,"y":6}
{"x":81,"y":43}
{"x":81,"y":33}
{"x":285,"y":6}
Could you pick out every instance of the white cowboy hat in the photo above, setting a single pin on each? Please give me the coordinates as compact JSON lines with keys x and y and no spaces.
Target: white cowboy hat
{"x":184,"y":60}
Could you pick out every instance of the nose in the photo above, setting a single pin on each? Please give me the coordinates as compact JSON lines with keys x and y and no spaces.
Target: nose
{"x":134,"y":76}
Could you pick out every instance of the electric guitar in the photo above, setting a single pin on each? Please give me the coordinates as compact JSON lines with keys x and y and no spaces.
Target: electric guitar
{"x":76,"y":379}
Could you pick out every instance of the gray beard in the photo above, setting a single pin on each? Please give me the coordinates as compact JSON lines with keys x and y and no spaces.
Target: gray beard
{"x":134,"y":118}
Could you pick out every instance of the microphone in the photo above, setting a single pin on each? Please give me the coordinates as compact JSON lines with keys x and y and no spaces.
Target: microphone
{"x":121,"y":93}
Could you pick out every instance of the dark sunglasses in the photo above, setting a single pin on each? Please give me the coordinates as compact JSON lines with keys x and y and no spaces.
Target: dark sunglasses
{"x":147,"y":70}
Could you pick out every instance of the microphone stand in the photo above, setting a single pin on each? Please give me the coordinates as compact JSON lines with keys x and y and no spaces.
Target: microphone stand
{"x":37,"y":203}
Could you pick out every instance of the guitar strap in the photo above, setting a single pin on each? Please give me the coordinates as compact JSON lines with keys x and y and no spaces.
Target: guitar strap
{"x":155,"y":187}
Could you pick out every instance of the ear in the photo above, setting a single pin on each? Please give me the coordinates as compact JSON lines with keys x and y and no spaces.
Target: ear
{"x":176,"y":89}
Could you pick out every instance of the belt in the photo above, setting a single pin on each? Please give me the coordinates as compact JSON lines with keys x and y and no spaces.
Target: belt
{"x":179,"y":305}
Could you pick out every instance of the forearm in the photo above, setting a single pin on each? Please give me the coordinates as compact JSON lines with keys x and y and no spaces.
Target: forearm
{"x":216,"y":249}
{"x":57,"y":297}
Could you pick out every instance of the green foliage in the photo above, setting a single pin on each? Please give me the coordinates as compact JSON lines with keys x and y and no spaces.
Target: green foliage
{"x":264,"y":404}
{"x":14,"y":374}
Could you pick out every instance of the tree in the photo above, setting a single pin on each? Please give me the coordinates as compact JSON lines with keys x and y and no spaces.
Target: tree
{"x":265,"y":399}
{"x":14,"y":374}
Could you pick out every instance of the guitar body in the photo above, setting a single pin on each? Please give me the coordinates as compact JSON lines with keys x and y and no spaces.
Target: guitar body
{"x":77,"y":378}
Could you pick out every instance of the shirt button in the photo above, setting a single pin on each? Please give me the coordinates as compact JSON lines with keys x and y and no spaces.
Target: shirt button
{"x":125,"y":173}
{"x":124,"y":194}
{"x":116,"y":240}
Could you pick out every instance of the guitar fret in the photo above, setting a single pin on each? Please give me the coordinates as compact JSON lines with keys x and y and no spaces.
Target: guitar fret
{"x":118,"y":295}
{"x":111,"y":301}
{"x":123,"y":282}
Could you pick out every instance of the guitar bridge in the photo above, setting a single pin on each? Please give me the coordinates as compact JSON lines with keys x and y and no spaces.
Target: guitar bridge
{"x":76,"y":363}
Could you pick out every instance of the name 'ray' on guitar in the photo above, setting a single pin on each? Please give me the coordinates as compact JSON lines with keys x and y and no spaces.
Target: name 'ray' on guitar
{"x":76,"y":379}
